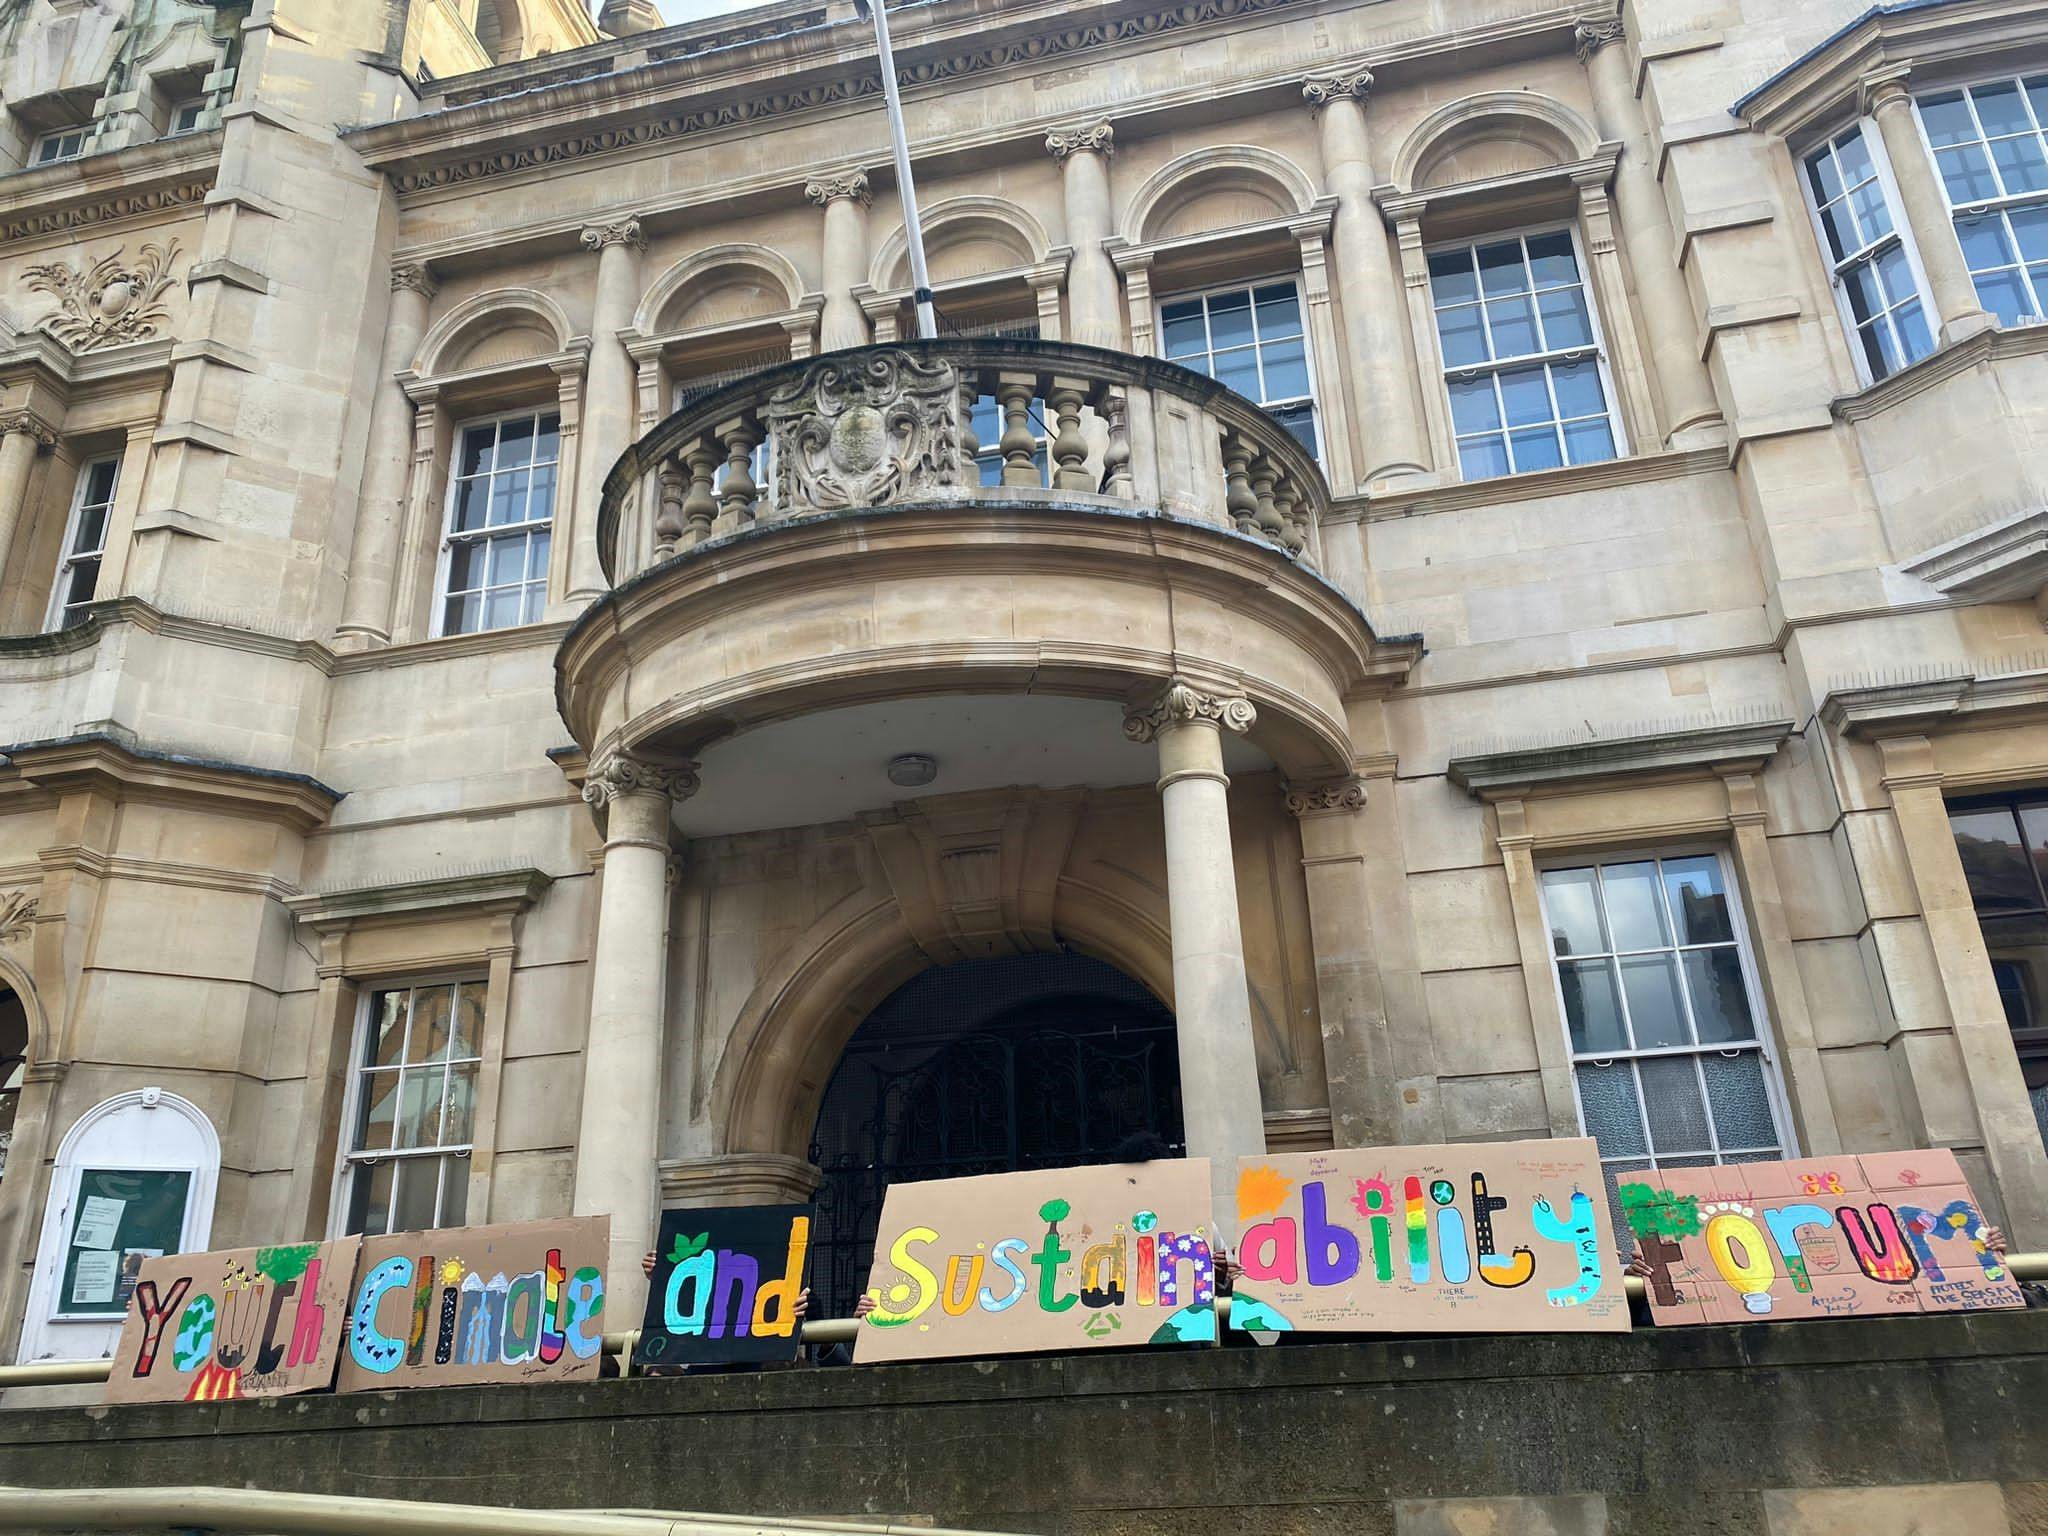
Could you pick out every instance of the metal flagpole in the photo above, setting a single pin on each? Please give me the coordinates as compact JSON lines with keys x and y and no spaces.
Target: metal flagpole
{"x":920,"y":280}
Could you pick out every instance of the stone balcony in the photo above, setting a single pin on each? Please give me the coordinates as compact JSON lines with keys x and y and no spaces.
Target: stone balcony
{"x":893,"y":426}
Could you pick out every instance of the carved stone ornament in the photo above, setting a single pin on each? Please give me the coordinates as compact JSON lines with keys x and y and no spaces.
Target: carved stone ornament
{"x":1099,"y":137}
{"x":412,"y":277}
{"x":623,"y":774}
{"x":1336,"y":795}
{"x":31,"y":425}
{"x":17,"y":915}
{"x":864,"y":433}
{"x":1320,"y":90}
{"x":1591,"y":36}
{"x":618,"y":232}
{"x":1180,"y":703}
{"x":110,"y":302}
{"x":846,"y":184}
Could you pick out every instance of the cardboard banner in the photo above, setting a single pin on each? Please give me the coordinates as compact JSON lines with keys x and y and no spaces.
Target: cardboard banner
{"x":1823,"y":1237}
{"x":1482,"y":1237}
{"x":477,"y":1304}
{"x":240,"y":1322}
{"x":1070,"y":1258}
{"x":725,"y":1285}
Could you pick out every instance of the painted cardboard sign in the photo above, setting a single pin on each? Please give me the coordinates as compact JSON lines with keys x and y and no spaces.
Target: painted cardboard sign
{"x":477,"y":1304}
{"x":725,"y":1285}
{"x":242,"y":1322}
{"x":1822,"y":1237}
{"x":1065,"y":1259}
{"x":1485,"y":1237}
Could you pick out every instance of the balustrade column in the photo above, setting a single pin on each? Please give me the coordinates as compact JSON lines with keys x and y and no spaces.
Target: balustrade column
{"x":1092,"y":304}
{"x":1375,"y":320}
{"x":22,"y":437}
{"x":617,"y":1137}
{"x":1690,"y":405}
{"x":609,"y":393}
{"x":387,"y":461}
{"x":1219,"y":1068}
{"x":844,"y":197}
{"x":1886,"y":98}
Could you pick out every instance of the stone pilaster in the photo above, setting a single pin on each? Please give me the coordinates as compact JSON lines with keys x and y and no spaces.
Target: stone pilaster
{"x":612,"y":381}
{"x":23,"y":435}
{"x":387,"y":460}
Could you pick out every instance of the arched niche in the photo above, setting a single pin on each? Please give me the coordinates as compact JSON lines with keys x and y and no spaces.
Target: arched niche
{"x":1490,"y":136}
{"x":1219,"y":188}
{"x":501,"y":30}
{"x":505,"y":325}
{"x":720,"y":286}
{"x":125,"y":1161}
{"x":964,"y":238}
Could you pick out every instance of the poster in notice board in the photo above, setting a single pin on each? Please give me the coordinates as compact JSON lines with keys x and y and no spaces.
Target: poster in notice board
{"x":725,"y":1285}
{"x":121,"y":1218}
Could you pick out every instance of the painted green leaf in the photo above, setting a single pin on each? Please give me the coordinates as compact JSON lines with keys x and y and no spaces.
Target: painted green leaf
{"x":687,"y":1247}
{"x":1055,"y":1210}
{"x":287,"y":1262}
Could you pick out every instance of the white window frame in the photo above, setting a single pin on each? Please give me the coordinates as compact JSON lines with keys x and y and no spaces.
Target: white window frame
{"x":1616,"y":424}
{"x":1745,"y":950}
{"x":1249,"y":287}
{"x":67,"y":556}
{"x":2005,"y":203}
{"x":196,"y":105}
{"x":347,"y":1157}
{"x":1901,"y":231}
{"x":437,"y":627}
{"x":40,"y":154}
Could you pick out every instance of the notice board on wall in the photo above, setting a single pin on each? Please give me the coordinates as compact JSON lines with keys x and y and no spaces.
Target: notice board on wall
{"x":122,"y":1218}
{"x":725,"y":1285}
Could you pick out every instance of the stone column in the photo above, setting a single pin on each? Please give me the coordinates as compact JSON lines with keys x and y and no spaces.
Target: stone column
{"x":1886,"y":98}
{"x":1357,"y":1055}
{"x":617,"y":1137}
{"x":1407,"y":216}
{"x":1092,"y":302}
{"x":387,"y":460}
{"x":1983,"y":1039}
{"x":22,"y":437}
{"x":1692,"y":412}
{"x":1219,"y":1068}
{"x":1376,"y":331}
{"x":609,"y":413}
{"x":844,"y":197}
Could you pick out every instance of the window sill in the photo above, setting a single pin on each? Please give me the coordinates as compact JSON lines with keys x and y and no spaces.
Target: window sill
{"x":1534,"y":485}
{"x":1941,"y":365}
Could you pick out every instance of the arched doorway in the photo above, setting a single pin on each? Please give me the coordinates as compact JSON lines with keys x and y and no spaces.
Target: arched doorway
{"x":987,"y":1066}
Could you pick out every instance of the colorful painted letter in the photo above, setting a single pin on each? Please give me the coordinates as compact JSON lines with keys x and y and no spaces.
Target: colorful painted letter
{"x":725,"y":1285}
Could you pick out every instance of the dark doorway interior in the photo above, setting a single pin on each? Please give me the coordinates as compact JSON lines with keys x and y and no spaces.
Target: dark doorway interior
{"x":987,"y":1066}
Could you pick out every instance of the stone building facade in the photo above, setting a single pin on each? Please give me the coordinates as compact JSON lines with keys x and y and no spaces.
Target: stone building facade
{"x":1485,"y":554}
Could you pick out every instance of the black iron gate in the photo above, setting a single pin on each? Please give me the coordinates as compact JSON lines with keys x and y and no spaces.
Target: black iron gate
{"x":988,"y":1066}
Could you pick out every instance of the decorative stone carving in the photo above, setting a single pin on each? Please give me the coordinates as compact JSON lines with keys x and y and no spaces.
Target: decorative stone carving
{"x":17,"y":915}
{"x":109,"y":303}
{"x":1591,"y":36}
{"x":862,"y":433}
{"x":32,"y":425}
{"x":851,"y":184}
{"x":1098,"y":137}
{"x":413,"y":277}
{"x":624,"y":774}
{"x":617,"y":232}
{"x":1320,"y":90}
{"x":45,"y":220}
{"x":1336,"y":795}
{"x":1181,"y":703}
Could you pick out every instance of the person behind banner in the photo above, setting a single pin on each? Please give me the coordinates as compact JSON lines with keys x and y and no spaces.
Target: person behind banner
{"x":831,"y":1354}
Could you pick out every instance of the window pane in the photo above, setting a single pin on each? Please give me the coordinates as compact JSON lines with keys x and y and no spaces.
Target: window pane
{"x":1607,"y":1098}
{"x":1501,"y":270}
{"x":1535,"y":450}
{"x":1300,"y":422}
{"x":2021,"y":164}
{"x":461,"y":1106}
{"x":1984,"y":242}
{"x":1671,"y":1095}
{"x":1967,"y":173}
{"x":1513,"y":322}
{"x":2037,"y":94}
{"x":1872,"y":221}
{"x":1230,"y":320}
{"x":1914,"y":335}
{"x":507,"y":563}
{"x":508,"y":497}
{"x":455,"y":1193}
{"x":502,"y":609}
{"x":1857,"y":166}
{"x":387,"y":1029}
{"x":466,"y":1038}
{"x":1866,"y":299}
{"x":1590,"y":441}
{"x":463,"y":617}
{"x":1578,"y":389}
{"x":1526,"y":395}
{"x":92,"y":530}
{"x":99,"y":481}
{"x":466,"y":566}
{"x":2005,"y":295}
{"x":1279,"y":311}
{"x":1655,"y":1013}
{"x":380,"y":1106}
{"x":1634,"y":915}
{"x":79,"y":584}
{"x":475,"y":457}
{"x":1947,"y":118}
{"x":1699,"y":902}
{"x":1482,"y":458}
{"x":1572,"y":907}
{"x":1742,"y":1107}
{"x":431,"y":1007}
{"x":471,"y":497}
{"x":1720,"y":1001}
{"x":419,"y":1108}
{"x":1591,"y":1008}
{"x":2000,"y":110}
{"x":1463,"y":341}
{"x":515,"y":442}
{"x":541,"y":497}
{"x":1286,"y":365}
{"x":1895,"y":278}
{"x":1552,"y":261}
{"x":1181,"y":326}
{"x":1821,"y":178}
{"x":537,"y":557}
{"x":369,"y":1200}
{"x":1474,"y":407}
{"x":418,"y":1184}
{"x":1842,"y":236}
{"x":1565,"y":323}
{"x":1451,"y":278}
{"x":2030,"y":228}
{"x":1994,"y":862}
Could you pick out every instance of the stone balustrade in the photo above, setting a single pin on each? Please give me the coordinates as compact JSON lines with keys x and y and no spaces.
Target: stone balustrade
{"x":894,"y":426}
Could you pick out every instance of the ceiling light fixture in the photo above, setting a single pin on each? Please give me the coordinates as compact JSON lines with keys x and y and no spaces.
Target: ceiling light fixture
{"x":913,"y":770}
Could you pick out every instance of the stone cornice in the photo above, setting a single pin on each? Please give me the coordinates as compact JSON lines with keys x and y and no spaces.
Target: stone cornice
{"x":1826,"y":82}
{"x":1999,"y":562}
{"x":1572,"y":767}
{"x":1597,"y":169}
{"x":142,"y":363}
{"x":1938,"y":368}
{"x":128,"y":770}
{"x":1539,"y":485}
{"x":410,"y":898}
{"x":166,"y":176}
{"x":1878,"y":708}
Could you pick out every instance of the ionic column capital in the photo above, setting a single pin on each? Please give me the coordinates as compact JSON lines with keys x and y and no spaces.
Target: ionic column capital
{"x":1344,"y":85}
{"x":1096,"y":138}
{"x":414,"y":277}
{"x":623,"y":773}
{"x":1181,"y":703}
{"x":626,"y":231}
{"x":849,"y":185}
{"x":1347,"y":794}
{"x":1589,"y":37}
{"x":30,"y":425}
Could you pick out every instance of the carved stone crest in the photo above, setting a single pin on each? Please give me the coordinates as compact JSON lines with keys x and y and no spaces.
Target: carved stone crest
{"x":864,"y":432}
{"x":109,"y":303}
{"x":17,"y":915}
